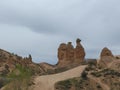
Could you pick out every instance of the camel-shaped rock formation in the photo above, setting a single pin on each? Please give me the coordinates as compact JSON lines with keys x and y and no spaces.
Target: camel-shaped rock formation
{"x":67,"y":54}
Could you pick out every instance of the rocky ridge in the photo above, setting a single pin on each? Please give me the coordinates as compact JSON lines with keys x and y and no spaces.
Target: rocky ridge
{"x":98,"y":72}
{"x":9,"y":61}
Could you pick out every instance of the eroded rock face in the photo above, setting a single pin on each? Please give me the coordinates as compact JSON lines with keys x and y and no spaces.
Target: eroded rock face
{"x":62,"y":51}
{"x":106,"y":58}
{"x":106,"y":52}
{"x":67,"y":54}
{"x":70,"y":52}
{"x":79,"y":52}
{"x":11,"y":60}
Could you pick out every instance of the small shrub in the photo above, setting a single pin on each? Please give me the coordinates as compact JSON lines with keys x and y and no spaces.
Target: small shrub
{"x":20,"y":78}
{"x":50,"y":71}
{"x":66,"y":85}
{"x":96,"y":74}
{"x":84,"y":75}
{"x":3,"y":81}
{"x":98,"y":86}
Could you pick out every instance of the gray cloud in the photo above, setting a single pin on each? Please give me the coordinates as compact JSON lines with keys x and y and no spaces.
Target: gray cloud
{"x":95,"y":22}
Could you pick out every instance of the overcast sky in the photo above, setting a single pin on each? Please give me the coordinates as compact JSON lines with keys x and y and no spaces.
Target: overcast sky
{"x":37,"y":27}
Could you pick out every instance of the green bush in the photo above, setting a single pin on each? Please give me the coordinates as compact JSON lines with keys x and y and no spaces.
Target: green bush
{"x":20,"y":72}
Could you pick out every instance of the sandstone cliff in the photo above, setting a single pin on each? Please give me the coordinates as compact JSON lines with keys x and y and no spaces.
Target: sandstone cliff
{"x":67,"y":54}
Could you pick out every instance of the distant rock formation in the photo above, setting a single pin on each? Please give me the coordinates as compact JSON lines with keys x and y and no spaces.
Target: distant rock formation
{"x":67,"y":54}
{"x":106,"y":58}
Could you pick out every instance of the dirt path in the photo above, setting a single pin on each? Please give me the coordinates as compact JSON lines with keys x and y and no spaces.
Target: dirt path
{"x":103,"y":85}
{"x":47,"y":82}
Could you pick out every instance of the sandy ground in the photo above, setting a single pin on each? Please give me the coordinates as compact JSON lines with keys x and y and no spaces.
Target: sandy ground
{"x":47,"y":82}
{"x":97,"y":80}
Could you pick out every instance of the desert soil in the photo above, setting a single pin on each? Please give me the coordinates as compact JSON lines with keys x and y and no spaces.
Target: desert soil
{"x":47,"y":82}
{"x":97,"y":80}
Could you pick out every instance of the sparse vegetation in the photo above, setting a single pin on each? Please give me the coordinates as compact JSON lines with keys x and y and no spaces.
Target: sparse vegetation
{"x":19,"y":78}
{"x":84,"y":75}
{"x":105,"y":72}
{"x":78,"y":84}
{"x":96,"y":74}
{"x":3,"y":81}
{"x":67,"y":84}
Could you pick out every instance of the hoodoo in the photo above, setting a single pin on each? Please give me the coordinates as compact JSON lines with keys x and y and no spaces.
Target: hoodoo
{"x":67,"y":54}
{"x":106,"y":57}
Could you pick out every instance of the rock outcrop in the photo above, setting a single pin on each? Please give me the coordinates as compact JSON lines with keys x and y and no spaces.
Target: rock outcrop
{"x":67,"y":54}
{"x":106,"y":58}
{"x":79,"y":52}
{"x":9,"y":61}
{"x":106,"y":52}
